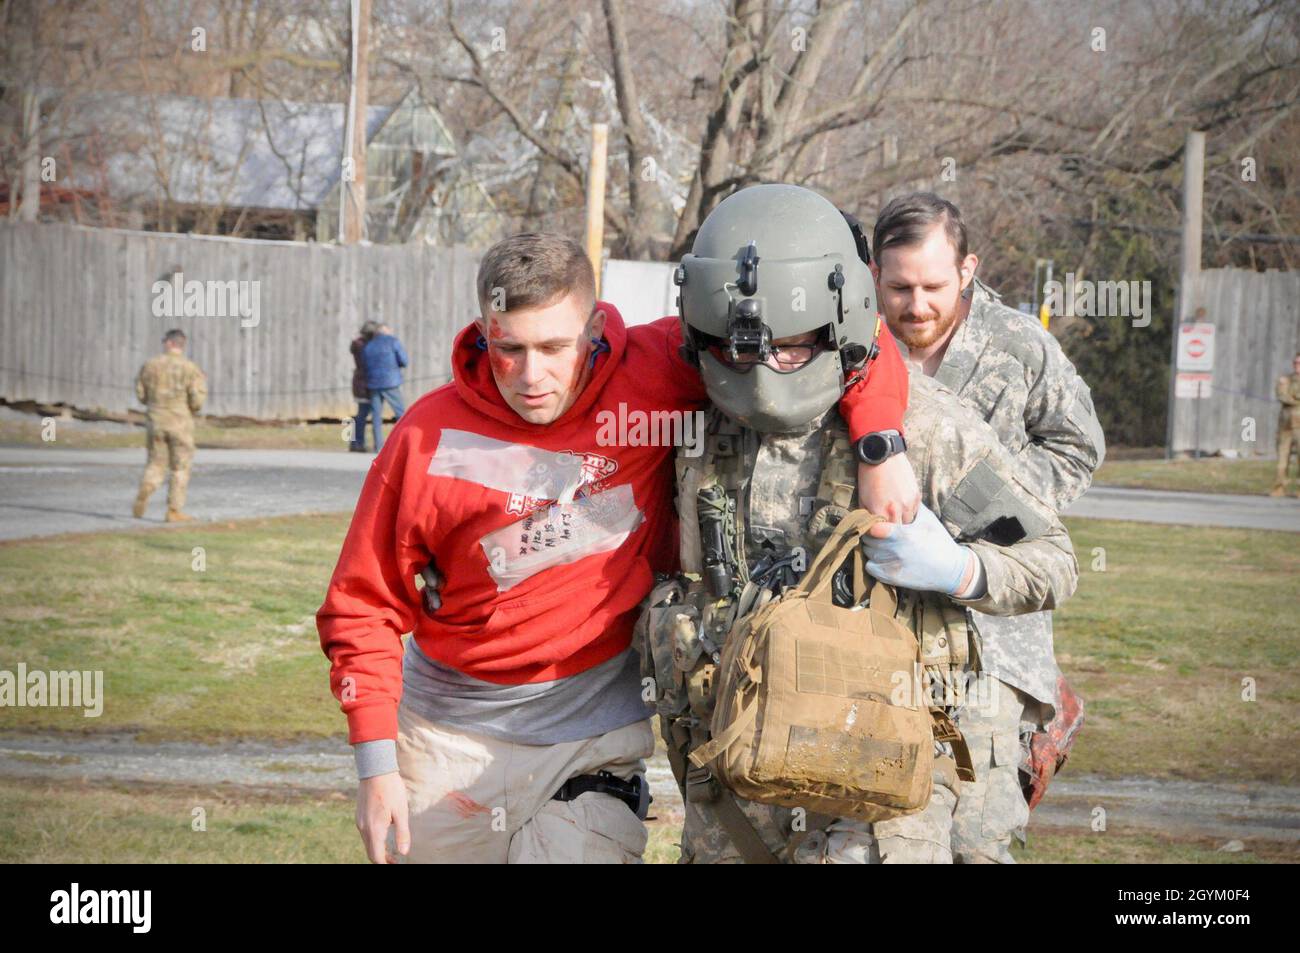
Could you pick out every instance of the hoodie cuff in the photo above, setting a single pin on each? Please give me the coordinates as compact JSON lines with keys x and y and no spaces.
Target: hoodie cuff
{"x":873,"y":416}
{"x":372,"y":722}
{"x":375,"y":757}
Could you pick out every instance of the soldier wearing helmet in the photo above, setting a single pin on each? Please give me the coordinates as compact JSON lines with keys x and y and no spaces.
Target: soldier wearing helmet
{"x":777,"y":301}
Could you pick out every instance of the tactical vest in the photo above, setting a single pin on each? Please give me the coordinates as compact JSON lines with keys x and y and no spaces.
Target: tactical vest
{"x":688,"y":617}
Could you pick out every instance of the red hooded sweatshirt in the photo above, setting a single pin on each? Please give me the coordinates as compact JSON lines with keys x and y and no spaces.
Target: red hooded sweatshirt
{"x":535,"y":589}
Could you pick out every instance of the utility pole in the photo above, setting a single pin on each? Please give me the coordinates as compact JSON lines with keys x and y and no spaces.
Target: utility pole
{"x":27,"y":57}
{"x":1190,"y":269}
{"x":352,"y":194}
{"x":31,"y":157}
{"x":596,"y":198}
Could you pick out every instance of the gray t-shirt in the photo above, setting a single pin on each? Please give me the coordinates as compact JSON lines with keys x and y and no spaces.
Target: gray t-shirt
{"x":601,"y":699}
{"x":591,"y":703}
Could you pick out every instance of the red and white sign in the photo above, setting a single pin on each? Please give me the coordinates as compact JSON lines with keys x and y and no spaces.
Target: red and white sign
{"x":1196,"y":347}
{"x":1196,"y":385}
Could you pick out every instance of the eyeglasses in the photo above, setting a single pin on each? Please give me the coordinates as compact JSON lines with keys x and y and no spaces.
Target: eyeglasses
{"x":787,"y":357}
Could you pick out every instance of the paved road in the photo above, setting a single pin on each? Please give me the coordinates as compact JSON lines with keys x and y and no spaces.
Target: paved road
{"x":44,"y":491}
{"x":47,"y":491}
{"x":1189,"y":509}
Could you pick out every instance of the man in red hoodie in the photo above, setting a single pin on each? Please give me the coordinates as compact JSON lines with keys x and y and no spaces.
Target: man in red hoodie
{"x":514,"y":728}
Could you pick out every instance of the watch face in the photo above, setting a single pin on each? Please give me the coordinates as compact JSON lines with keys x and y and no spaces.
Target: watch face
{"x":875,"y":448}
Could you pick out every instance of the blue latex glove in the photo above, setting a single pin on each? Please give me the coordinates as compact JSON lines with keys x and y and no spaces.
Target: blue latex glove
{"x":919,"y":555}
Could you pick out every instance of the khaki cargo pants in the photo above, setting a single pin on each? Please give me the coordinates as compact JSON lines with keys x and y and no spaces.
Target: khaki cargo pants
{"x":1288,"y":438}
{"x":479,"y":800}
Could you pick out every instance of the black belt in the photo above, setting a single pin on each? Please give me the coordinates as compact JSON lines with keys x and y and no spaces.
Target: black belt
{"x":634,"y":793}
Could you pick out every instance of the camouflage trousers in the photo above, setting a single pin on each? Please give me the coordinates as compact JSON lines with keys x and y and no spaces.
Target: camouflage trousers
{"x":1288,"y":442}
{"x":796,"y":837}
{"x":992,"y":807}
{"x":170,"y":449}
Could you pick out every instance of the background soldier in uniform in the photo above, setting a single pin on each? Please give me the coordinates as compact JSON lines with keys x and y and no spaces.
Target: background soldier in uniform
{"x":1288,"y":425}
{"x":789,"y":465}
{"x":173,"y":389}
{"x":1013,"y":373}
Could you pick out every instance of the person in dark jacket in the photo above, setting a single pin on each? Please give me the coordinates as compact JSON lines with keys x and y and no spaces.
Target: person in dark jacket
{"x":384,"y":358}
{"x":359,"y":389}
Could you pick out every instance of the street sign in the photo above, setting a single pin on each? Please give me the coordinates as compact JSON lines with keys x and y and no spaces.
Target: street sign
{"x":1194,"y":385}
{"x":1195,"y":348}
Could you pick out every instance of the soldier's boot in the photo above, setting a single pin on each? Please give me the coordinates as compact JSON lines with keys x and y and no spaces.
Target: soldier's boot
{"x":1279,"y":489}
{"x":176,"y":516}
{"x":141,"y":501}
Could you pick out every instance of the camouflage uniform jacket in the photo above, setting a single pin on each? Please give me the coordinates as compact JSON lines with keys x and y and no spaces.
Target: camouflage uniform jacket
{"x":173,"y":388}
{"x":1013,"y":373}
{"x":1288,"y":392}
{"x":946,"y":441}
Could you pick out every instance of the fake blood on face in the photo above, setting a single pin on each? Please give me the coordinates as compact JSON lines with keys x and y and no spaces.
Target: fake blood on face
{"x":548,"y":382}
{"x":505,"y":368}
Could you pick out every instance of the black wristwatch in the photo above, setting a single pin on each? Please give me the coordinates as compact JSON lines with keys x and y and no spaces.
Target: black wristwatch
{"x":880,"y":446}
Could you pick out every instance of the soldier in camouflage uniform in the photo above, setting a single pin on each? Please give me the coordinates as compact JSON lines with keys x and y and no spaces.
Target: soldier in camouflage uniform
{"x":1288,"y":425}
{"x":947,"y":444}
{"x":173,"y":389}
{"x":964,"y":472}
{"x":1013,"y":373}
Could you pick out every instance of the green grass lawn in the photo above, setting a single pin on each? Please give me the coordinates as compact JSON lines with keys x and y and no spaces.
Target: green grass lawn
{"x":1209,"y":475}
{"x":232,"y":648}
{"x":59,"y":823}
{"x":1159,"y":644}
{"x":45,"y":822}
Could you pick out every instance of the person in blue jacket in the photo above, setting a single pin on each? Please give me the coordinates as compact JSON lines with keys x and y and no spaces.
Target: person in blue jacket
{"x":384,"y":359}
{"x":359,"y":389}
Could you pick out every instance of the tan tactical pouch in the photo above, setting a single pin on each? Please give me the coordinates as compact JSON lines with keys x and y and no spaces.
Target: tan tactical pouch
{"x":806,"y":713}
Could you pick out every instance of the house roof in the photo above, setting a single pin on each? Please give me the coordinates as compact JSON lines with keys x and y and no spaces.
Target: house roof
{"x":240,"y":153}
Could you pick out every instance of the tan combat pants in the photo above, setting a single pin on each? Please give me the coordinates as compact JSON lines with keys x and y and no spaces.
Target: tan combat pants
{"x":1287,"y":440}
{"x":992,"y":807}
{"x":170,"y":449}
{"x":479,"y":800}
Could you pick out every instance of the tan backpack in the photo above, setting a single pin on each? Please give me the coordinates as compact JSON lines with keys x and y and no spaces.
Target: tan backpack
{"x":806,"y":713}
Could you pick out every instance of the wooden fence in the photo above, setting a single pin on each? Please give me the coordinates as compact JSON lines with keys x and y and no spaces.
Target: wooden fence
{"x":78,"y":316}
{"x":1256,"y":318}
